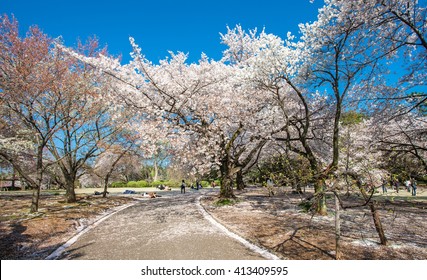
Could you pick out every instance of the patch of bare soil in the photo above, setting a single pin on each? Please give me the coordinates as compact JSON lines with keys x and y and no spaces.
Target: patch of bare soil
{"x":35,"y":236}
{"x":281,"y":225}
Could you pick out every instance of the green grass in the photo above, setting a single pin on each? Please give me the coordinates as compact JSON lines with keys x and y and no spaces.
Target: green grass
{"x":305,"y":206}
{"x":225,"y":202}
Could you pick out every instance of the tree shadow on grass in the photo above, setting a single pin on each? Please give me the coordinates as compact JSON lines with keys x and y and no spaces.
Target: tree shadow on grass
{"x":13,"y":243}
{"x":296,"y":246}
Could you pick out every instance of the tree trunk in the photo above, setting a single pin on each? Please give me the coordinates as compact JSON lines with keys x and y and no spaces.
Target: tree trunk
{"x":107,"y":178}
{"x":337,"y":228}
{"x":226,"y":190}
{"x":319,"y":193}
{"x":36,"y":188}
{"x":113,"y":165}
{"x":35,"y":200}
{"x":33,"y":184}
{"x":319,"y":184}
{"x":70,"y":194}
{"x":156,"y":171}
{"x":13,"y":178}
{"x":375,"y":214}
{"x":377,"y":222}
{"x":104,"y":194}
{"x":240,"y":184}
{"x":298,"y":188}
{"x":375,"y":217}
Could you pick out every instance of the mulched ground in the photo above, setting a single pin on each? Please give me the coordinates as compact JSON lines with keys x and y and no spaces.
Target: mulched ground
{"x":279,"y":224}
{"x":35,"y":236}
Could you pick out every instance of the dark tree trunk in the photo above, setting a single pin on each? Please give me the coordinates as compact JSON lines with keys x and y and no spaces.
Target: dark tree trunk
{"x":37,"y":186}
{"x":33,"y":184}
{"x":104,"y":194}
{"x":226,"y":190}
{"x":240,"y":184}
{"x":337,"y":228}
{"x":70,"y":194}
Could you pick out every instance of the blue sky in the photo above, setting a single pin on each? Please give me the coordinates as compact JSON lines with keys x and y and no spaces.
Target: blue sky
{"x":159,"y":25}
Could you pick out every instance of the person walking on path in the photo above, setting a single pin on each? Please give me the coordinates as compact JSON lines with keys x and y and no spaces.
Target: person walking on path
{"x":396,"y":185}
{"x":183,"y":186}
{"x":414,"y":187}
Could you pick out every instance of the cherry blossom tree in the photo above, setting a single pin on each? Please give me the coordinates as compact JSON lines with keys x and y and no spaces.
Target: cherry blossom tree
{"x":53,"y":105}
{"x":399,"y":28}
{"x":337,"y":63}
{"x":271,"y":67}
{"x":30,"y":82}
{"x":221,"y":113}
{"x":404,"y":137}
{"x":202,"y":110}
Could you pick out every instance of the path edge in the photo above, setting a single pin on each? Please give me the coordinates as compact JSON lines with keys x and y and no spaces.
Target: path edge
{"x":60,"y":250}
{"x":255,"y":248}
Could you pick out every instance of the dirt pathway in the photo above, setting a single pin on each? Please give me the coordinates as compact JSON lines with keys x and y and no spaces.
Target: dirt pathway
{"x":170,"y":227}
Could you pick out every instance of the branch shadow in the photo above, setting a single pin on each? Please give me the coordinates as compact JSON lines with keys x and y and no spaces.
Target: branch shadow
{"x":13,"y":244}
{"x":301,"y":243}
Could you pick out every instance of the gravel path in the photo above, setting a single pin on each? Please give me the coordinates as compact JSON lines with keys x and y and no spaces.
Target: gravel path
{"x":170,"y":227}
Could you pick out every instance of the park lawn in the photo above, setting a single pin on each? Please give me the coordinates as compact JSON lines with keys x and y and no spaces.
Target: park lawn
{"x":25,"y":235}
{"x":281,"y":225}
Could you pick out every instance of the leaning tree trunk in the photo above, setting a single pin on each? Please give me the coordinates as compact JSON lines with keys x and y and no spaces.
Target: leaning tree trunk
{"x":374,"y":211}
{"x":376,"y":217}
{"x":113,"y":165}
{"x":377,"y":222}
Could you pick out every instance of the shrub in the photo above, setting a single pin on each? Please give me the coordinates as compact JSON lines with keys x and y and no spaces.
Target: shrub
{"x":138,"y":184}
{"x":171,"y":183}
{"x":205,"y":184}
{"x":305,"y":206}
{"x":118,"y":185}
{"x":155,"y":184}
{"x":225,"y":202}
